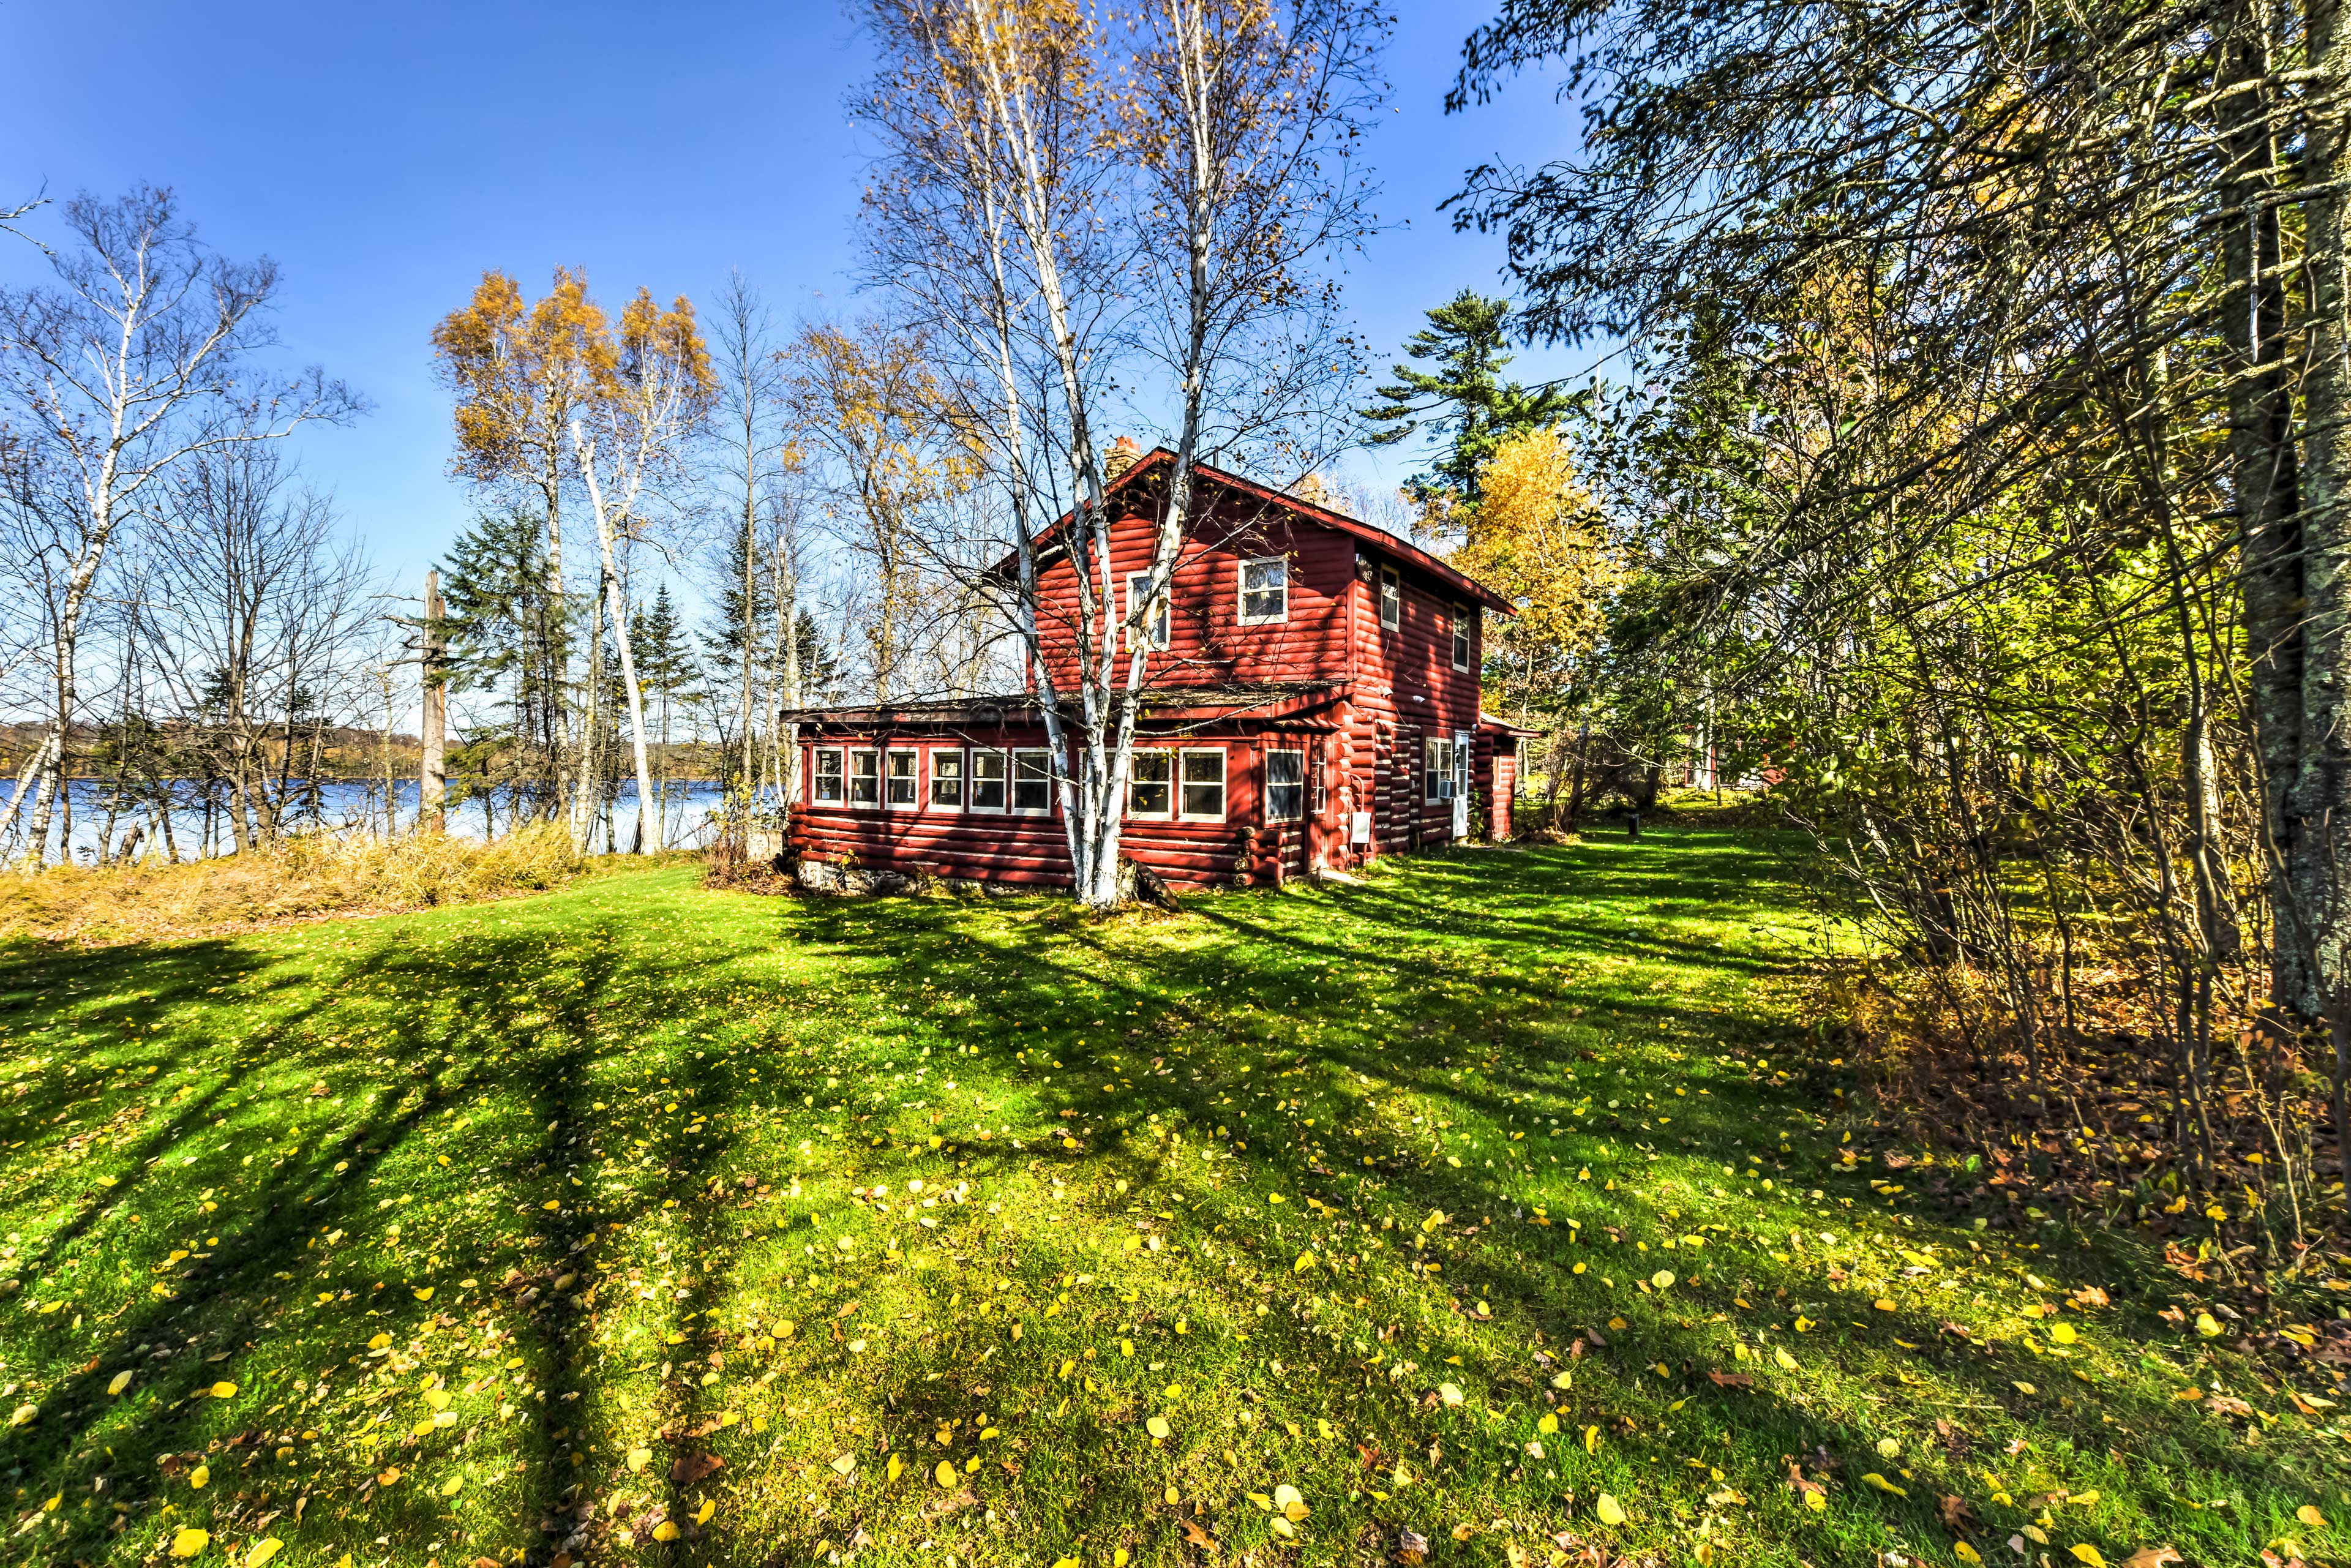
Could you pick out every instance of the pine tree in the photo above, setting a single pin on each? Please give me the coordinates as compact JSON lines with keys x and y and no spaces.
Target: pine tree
{"x":822,"y":675}
{"x":509,"y":635}
{"x":1464,"y":399}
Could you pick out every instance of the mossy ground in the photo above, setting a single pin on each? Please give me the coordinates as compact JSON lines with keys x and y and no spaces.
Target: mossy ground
{"x":590,"y":1222}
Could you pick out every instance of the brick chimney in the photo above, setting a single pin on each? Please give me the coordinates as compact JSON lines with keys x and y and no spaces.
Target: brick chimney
{"x":1123,"y":455}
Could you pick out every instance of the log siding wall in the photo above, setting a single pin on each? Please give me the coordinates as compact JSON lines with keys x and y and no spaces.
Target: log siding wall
{"x":1376,"y":696}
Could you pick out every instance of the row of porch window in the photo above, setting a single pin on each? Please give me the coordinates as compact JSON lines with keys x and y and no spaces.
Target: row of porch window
{"x":1179,"y":783}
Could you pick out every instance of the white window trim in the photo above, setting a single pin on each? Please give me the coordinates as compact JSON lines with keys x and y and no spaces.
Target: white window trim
{"x":1391,"y":578}
{"x":1224,"y":785}
{"x":1162,"y":634}
{"x":1464,"y":639}
{"x":1265,"y":792}
{"x":971,"y":780}
{"x":1240,"y":591}
{"x":931,"y":801}
{"x":1012,"y":782}
{"x":1173,"y":766}
{"x":848,"y":779}
{"x":917,"y":780}
{"x":1431,"y":771}
{"x":816,"y":769}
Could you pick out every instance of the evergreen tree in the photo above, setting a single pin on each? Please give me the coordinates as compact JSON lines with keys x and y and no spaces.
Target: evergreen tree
{"x":509,"y":635}
{"x":1464,"y":399}
{"x":822,"y":675}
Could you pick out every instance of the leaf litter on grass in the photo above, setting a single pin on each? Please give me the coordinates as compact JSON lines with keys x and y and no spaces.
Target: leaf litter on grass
{"x":1071,"y":1239}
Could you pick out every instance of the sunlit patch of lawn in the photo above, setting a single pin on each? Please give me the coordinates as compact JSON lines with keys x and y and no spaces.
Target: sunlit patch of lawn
{"x":1488,"y":1206}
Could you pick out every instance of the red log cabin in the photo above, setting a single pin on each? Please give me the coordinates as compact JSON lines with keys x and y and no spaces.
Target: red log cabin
{"x":1313,"y":705}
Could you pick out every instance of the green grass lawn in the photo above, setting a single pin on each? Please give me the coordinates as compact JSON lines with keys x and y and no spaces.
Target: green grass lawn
{"x":1490,"y":1210}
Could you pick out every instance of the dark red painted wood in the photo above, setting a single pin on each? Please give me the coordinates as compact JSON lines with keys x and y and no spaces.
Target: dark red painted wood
{"x":1378,"y":693}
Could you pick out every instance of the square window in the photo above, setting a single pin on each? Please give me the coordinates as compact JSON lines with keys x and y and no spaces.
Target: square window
{"x":902,"y":780}
{"x":1150,"y":784}
{"x":946,"y":781}
{"x":1033,"y":783}
{"x":1265,"y":590}
{"x":1461,"y":624}
{"x":989,"y":773}
{"x":864,"y":779}
{"x":1204,"y":787}
{"x":1285,"y":785}
{"x":1391,"y":599}
{"x":1440,"y":769}
{"x":1138,"y":586}
{"x":829,"y":785}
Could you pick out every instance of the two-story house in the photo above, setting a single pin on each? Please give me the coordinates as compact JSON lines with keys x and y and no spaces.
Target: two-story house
{"x":1311,"y":703}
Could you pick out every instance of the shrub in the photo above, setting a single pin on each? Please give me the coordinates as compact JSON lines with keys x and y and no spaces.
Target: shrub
{"x":308,"y":873}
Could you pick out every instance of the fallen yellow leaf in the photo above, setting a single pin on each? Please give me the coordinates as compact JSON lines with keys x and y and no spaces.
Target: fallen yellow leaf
{"x":1609,"y":1509}
{"x":200,"y":1476}
{"x":121,"y":1381}
{"x":190,"y":1541}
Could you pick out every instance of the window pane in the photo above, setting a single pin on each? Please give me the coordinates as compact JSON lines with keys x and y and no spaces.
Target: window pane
{"x":864,"y":779}
{"x":1148,"y":787}
{"x":1137,"y":588}
{"x":828,"y":774}
{"x":1033,"y":785}
{"x":1204,"y":784}
{"x":987,"y":781}
{"x":1391,"y":600}
{"x":1265,"y":589}
{"x":1285,"y":785}
{"x":947,"y":778}
{"x":903,"y":779}
{"x":1460,"y":639}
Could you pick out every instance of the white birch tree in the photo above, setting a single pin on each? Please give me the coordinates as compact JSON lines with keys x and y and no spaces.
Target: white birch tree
{"x":632,"y":441}
{"x":134,"y":359}
{"x":1030,"y":175}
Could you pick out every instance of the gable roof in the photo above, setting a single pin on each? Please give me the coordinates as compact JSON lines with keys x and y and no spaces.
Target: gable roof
{"x":1380,"y":539}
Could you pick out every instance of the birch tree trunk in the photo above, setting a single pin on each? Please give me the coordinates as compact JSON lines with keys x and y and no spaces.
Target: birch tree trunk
{"x":614,"y":601}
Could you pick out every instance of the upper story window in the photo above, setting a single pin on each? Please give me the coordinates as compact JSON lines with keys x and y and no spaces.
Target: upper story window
{"x":1138,"y":590}
{"x":1265,"y":590}
{"x":1391,"y":599}
{"x":1461,"y":624}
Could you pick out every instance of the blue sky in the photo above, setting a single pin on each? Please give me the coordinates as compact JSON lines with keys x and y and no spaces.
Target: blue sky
{"x":386,"y":155}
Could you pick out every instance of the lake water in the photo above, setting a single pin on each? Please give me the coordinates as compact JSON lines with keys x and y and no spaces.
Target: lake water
{"x":346,"y":803}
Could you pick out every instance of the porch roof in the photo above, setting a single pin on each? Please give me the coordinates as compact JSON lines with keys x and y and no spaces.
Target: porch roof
{"x":1166,"y":705}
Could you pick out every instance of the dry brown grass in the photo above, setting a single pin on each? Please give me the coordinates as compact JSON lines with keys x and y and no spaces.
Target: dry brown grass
{"x":307,"y":876}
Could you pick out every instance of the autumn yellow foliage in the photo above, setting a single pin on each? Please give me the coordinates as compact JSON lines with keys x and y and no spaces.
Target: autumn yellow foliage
{"x":1538,"y":537}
